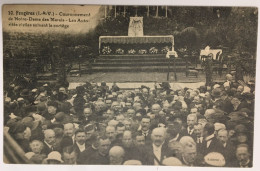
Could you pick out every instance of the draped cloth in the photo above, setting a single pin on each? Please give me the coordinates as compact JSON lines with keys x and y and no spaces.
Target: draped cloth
{"x":136,"y":26}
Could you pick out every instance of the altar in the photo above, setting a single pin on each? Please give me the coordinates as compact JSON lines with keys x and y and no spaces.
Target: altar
{"x":135,"y":42}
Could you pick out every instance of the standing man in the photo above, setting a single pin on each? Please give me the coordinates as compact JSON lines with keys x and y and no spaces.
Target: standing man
{"x":210,"y":143}
{"x":145,"y":129}
{"x":99,"y":156}
{"x":191,"y":121}
{"x":80,"y":139}
{"x":157,"y":151}
{"x":49,"y":141}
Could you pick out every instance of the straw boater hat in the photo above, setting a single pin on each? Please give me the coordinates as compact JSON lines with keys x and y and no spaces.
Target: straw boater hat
{"x":54,"y":155}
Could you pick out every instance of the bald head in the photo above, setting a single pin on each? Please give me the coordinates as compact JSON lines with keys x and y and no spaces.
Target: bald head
{"x":111,"y":133}
{"x":191,"y":120}
{"x":69,"y":129}
{"x":158,"y":136}
{"x":156,"y":108}
{"x":172,"y":161}
{"x":49,"y":136}
{"x":116,"y":155}
{"x":127,"y":140}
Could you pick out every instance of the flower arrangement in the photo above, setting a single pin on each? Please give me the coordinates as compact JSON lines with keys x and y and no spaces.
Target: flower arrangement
{"x":106,"y":50}
{"x":120,"y":51}
{"x":131,"y":51}
{"x":142,"y":51}
{"x":165,"y":49}
{"x":153,"y":50}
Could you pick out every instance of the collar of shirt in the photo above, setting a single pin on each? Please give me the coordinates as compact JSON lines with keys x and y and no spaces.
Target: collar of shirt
{"x":157,"y":147}
{"x":145,"y":132}
{"x":81,"y":147}
{"x":50,"y":146}
{"x":199,"y":139}
{"x":190,"y":131}
{"x":225,"y":144}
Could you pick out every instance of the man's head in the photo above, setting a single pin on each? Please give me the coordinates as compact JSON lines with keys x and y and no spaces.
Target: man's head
{"x":189,"y":153}
{"x":49,"y":136}
{"x":130,"y":113}
{"x":222,"y":136}
{"x":80,"y":136}
{"x":194,"y":110}
{"x":191,"y":120}
{"x":111,"y":133}
{"x":89,"y":131}
{"x":242,"y":153}
{"x":145,"y":91}
{"x":62,"y":90}
{"x":120,"y":128}
{"x":229,"y":77}
{"x":52,"y":109}
{"x":139,"y":139}
{"x":69,"y":155}
{"x":127,"y":140}
{"x":69,"y":129}
{"x":36,"y":146}
{"x":116,"y":155}
{"x":156,"y":108}
{"x":240,"y":89}
{"x":127,"y":124}
{"x":158,"y":136}
{"x":198,"y":129}
{"x":103,"y":145}
{"x":145,"y":123}
{"x":120,"y":118}
{"x":109,"y":114}
{"x":209,"y":129}
{"x":87,"y":112}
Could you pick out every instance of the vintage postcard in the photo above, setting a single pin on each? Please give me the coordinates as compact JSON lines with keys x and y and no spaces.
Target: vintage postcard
{"x":129,"y":85}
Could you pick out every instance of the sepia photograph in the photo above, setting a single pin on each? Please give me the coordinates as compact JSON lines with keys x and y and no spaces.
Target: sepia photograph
{"x":156,"y":85}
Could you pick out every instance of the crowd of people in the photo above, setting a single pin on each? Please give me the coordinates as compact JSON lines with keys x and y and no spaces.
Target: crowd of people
{"x":100,"y":125}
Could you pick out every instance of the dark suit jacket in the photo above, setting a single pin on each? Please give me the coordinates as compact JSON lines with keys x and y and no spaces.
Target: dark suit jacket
{"x":229,"y":152}
{"x":149,"y":155}
{"x":75,"y":146}
{"x":236,"y":164}
{"x":226,"y":106}
{"x":148,"y":137}
{"x":215,"y":146}
{"x":184,"y":132}
{"x":84,"y":155}
{"x":66,"y":141}
{"x":46,"y":150}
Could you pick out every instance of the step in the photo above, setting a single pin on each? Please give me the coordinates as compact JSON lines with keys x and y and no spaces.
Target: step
{"x":134,"y":69}
{"x":100,"y":64}
{"x":133,"y":57}
{"x":138,"y":60}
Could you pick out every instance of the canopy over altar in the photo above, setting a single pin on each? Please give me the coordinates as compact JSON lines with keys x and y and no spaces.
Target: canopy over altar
{"x":136,"y":41}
